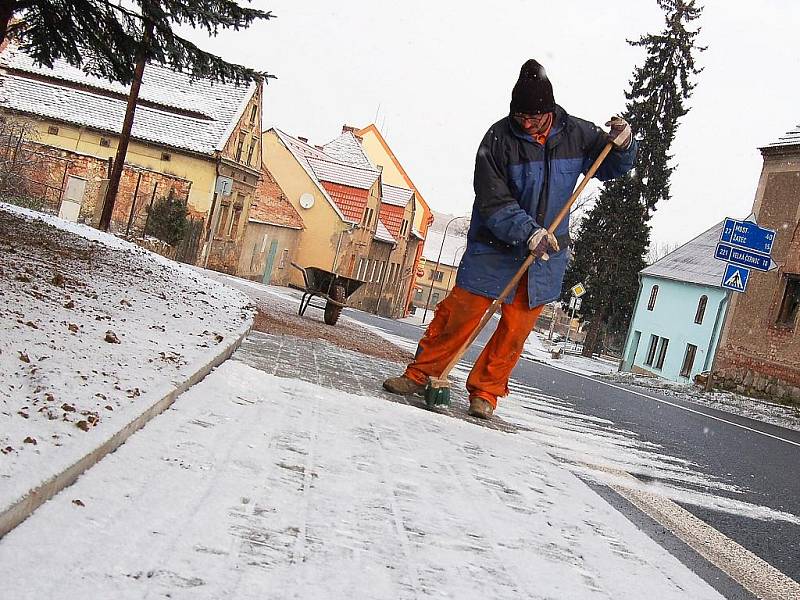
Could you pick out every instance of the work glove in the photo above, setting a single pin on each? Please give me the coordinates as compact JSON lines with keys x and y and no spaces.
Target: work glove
{"x":620,"y":134}
{"x":541,"y":243}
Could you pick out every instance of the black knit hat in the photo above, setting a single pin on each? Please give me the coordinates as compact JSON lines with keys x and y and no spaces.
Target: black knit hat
{"x":533,"y":93}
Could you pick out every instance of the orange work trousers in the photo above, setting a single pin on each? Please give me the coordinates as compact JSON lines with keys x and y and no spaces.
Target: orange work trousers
{"x":455,"y":319}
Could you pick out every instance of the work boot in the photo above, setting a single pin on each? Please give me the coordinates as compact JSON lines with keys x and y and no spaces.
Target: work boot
{"x":403,"y":385}
{"x":480,"y":408}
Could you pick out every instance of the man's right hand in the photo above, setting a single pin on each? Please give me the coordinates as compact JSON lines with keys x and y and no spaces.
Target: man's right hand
{"x":542,"y":243}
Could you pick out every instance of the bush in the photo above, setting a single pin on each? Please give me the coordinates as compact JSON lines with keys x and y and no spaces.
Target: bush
{"x":166,"y":220}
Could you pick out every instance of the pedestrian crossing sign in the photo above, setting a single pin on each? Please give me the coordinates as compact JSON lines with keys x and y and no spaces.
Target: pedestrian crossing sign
{"x":578,"y":290}
{"x":735,"y":278}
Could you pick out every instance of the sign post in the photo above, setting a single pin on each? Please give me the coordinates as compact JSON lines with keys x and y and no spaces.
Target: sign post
{"x":744,"y":245}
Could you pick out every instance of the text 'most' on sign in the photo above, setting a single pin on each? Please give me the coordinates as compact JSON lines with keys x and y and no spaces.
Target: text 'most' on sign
{"x":747,"y":235}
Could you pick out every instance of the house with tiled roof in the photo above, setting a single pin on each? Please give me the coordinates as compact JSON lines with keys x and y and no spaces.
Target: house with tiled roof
{"x":353,"y":224}
{"x":380,"y":154}
{"x":679,"y":312}
{"x":193,"y":139}
{"x":271,"y":235}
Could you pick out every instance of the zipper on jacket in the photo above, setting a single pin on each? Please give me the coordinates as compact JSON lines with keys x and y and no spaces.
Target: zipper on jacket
{"x":544,"y":193}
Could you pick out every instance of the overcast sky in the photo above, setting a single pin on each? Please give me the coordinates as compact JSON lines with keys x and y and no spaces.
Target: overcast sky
{"x":435,"y":75}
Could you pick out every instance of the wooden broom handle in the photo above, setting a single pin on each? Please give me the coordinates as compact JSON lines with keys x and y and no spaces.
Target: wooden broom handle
{"x":527,"y":263}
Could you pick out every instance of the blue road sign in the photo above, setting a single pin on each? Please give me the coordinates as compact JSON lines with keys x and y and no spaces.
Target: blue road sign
{"x":748,"y":235}
{"x":735,"y":278}
{"x":744,"y":258}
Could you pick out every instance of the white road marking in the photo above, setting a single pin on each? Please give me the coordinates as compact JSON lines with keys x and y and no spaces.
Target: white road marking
{"x":750,"y":571}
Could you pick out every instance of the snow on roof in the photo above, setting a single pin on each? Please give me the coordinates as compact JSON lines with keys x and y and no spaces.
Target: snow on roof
{"x":174,"y":110}
{"x":382,"y":234}
{"x":451,"y":252}
{"x":790,"y":138}
{"x":346,"y":148}
{"x":397,"y":196}
{"x":343,"y":174}
{"x":302,"y":152}
{"x":693,"y":262}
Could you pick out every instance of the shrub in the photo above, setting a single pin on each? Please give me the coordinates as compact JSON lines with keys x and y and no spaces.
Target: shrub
{"x":166,"y":220}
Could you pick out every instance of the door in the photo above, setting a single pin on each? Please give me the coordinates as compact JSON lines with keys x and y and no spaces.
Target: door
{"x":73,"y":197}
{"x":273,"y":250}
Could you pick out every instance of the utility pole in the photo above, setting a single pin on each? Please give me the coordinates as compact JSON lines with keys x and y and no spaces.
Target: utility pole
{"x":127,"y":126}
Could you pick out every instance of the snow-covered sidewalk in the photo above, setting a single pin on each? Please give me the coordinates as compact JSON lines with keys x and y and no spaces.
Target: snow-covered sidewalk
{"x":252,"y":486}
{"x":95,"y":332}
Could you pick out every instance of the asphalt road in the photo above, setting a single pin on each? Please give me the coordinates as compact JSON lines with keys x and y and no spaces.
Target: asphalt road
{"x":753,"y":456}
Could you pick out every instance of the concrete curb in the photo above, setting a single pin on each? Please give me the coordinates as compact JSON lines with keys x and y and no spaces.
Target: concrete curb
{"x":23,"y":508}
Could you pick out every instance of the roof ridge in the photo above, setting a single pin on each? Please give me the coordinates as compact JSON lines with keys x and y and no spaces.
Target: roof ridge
{"x":337,"y":161}
{"x":699,"y":235}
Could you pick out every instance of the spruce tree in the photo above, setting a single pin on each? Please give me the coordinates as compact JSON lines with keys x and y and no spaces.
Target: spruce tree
{"x":105,"y":38}
{"x":613,"y":238}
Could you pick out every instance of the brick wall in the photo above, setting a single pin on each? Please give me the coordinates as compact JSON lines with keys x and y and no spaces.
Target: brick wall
{"x":757,"y":355}
{"x":47,"y":170}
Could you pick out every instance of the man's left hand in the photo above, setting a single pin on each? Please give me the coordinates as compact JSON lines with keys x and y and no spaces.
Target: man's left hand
{"x":620,"y":134}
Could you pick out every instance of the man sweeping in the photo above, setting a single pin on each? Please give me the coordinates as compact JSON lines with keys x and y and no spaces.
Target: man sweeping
{"x":525,"y":171}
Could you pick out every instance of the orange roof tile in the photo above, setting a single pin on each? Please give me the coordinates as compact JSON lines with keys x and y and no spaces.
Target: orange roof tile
{"x":392,"y":217}
{"x":350,"y":200}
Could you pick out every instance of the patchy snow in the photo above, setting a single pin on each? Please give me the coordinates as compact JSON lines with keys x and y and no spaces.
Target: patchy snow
{"x":253,"y":486}
{"x":96,"y":330}
{"x":787,"y":416}
{"x":540,"y":350}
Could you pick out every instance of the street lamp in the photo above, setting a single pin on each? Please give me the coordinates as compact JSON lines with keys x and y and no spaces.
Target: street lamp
{"x":436,"y":270}
{"x":455,"y":264}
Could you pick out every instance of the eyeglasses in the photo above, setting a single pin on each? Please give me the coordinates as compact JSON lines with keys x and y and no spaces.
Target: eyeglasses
{"x":523,"y":118}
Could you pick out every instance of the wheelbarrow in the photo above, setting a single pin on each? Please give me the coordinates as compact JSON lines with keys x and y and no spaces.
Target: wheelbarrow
{"x":333,"y":288}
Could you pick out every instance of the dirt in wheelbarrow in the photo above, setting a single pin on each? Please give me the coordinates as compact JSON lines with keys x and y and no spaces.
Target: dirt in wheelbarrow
{"x":343,"y":334}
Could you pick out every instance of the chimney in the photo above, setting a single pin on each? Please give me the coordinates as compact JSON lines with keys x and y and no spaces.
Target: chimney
{"x":349,"y":128}
{"x":302,"y":139}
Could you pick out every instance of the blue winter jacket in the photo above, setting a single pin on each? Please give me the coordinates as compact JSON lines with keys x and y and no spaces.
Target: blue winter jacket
{"x":520,"y":186}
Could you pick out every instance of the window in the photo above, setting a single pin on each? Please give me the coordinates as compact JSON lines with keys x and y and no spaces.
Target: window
{"x":404,"y":228}
{"x":701,"y":310}
{"x":651,"y":351}
{"x":166,"y":156}
{"x":52,"y":130}
{"x":237,"y":214}
{"x":367,"y":219}
{"x":418,"y":295}
{"x":250,"y":151}
{"x":790,"y":303}
{"x":284,"y":258}
{"x":253,"y":114}
{"x":223,"y":218}
{"x":435,"y":299}
{"x":239,"y":147}
{"x":437,"y":275}
{"x":105,"y":142}
{"x":651,"y":304}
{"x":362,"y":262}
{"x":688,"y":359}
{"x":662,"y":353}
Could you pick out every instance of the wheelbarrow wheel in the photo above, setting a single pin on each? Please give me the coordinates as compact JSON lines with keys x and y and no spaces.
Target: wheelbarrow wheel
{"x":332,"y":311}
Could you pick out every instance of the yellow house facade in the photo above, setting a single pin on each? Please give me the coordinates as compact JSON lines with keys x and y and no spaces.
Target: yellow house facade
{"x":188,"y":138}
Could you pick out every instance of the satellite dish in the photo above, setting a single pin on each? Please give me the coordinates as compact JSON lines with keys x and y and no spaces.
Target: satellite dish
{"x":306,"y":200}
